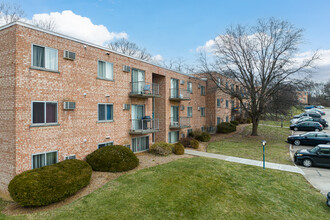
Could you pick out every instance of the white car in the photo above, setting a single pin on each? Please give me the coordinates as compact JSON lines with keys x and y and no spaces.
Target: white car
{"x":297,"y":120}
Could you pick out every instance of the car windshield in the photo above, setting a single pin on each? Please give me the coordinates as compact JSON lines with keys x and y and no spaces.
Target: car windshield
{"x":315,"y":149}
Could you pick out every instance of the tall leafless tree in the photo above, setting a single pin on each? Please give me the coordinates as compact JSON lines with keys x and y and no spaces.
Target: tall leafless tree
{"x":131,"y":49}
{"x":179,"y":64}
{"x":261,"y":59}
{"x":10,"y":12}
{"x":48,"y":24}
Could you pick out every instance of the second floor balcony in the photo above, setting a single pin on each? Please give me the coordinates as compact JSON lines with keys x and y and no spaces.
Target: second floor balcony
{"x":144,"y":126}
{"x":180,"y":122}
{"x":143,"y":89}
{"x":179,"y":94}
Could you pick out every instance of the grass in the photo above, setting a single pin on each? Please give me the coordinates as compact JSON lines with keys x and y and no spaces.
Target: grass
{"x":276,"y":123}
{"x":250,"y":147}
{"x":199,"y":188}
{"x":2,"y":206}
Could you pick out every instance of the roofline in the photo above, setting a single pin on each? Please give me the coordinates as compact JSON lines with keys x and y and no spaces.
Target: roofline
{"x":87,"y":43}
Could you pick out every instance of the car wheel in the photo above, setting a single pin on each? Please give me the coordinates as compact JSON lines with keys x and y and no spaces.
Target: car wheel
{"x":296,"y":129}
{"x":307,"y":163}
{"x":297,"y":142}
{"x":317,"y":130}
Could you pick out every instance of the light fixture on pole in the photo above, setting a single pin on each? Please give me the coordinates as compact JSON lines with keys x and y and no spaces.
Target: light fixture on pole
{"x":263,"y":153}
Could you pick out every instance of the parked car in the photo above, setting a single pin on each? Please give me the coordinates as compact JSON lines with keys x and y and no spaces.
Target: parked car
{"x":310,"y":106}
{"x":322,"y":121}
{"x":312,"y":114}
{"x":295,"y":120}
{"x":318,"y":156}
{"x":316,"y":110}
{"x":307,"y":126}
{"x":320,"y":107}
{"x":309,"y":138}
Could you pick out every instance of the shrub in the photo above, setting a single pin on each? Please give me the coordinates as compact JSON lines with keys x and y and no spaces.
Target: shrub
{"x":178,"y":149}
{"x":249,"y":120}
{"x":186,"y":141}
{"x":194,"y":143}
{"x":114,"y":158}
{"x":196,"y":133}
{"x":49,"y":184}
{"x":234,"y":122}
{"x":226,"y":127}
{"x":203,"y":137}
{"x":161,"y":148}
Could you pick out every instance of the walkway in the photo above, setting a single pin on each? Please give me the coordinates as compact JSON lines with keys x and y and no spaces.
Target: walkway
{"x":258,"y":163}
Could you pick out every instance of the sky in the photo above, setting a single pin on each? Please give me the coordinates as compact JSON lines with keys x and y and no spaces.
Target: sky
{"x":176,"y":28}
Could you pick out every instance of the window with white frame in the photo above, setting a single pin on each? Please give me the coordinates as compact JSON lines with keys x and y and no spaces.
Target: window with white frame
{"x":218,"y":120}
{"x":44,"y":57}
{"x":189,"y":111}
{"x":202,"y":90}
{"x":202,"y":111}
{"x":44,"y":112}
{"x":189,"y":87}
{"x":218,"y":103}
{"x":44,"y":159}
{"x":173,"y":137}
{"x":105,"y":112}
{"x":105,"y":144}
{"x":104,"y":70}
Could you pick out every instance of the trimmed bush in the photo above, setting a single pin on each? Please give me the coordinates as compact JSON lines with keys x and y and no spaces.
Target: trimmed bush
{"x":49,"y":184}
{"x":249,"y":120}
{"x":114,"y":158}
{"x":161,"y":148}
{"x":186,"y":141}
{"x":234,"y":122}
{"x":194,"y":143}
{"x":203,"y":137}
{"x":226,"y":127}
{"x":178,"y":149}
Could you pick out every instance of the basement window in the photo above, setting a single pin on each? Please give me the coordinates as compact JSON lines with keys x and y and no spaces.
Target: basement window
{"x":44,"y":159}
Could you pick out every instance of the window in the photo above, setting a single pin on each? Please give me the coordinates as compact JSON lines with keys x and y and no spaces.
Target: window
{"x":324,"y":151}
{"x":218,"y":103}
{"x":233,"y":118}
{"x":227,"y":119}
{"x":104,"y":144}
{"x":173,"y":137}
{"x":202,"y":129}
{"x":218,"y":120}
{"x":182,"y":135}
{"x":219,"y":82}
{"x":44,"y":159}
{"x":202,"y":90}
{"x":105,"y":70}
{"x":44,"y":112}
{"x":232,"y":104}
{"x":202,"y":111}
{"x":189,"y":87}
{"x":140,"y":144}
{"x":226,"y":85}
{"x":188,"y":132}
{"x":44,"y":57}
{"x":189,"y":111}
{"x":227,"y":103}
{"x":232,"y":87}
{"x":105,"y":112}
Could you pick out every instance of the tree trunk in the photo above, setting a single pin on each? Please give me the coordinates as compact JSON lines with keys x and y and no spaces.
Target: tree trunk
{"x":255,"y":123}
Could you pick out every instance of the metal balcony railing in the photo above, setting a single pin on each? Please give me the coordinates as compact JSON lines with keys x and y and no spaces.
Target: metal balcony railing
{"x":144,"y":89}
{"x":180,"y":122}
{"x":179,"y":94}
{"x":144,"y":126}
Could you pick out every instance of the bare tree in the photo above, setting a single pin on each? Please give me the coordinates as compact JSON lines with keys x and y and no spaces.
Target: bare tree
{"x":261,"y":59}
{"x":48,"y":24}
{"x":11,"y":12}
{"x":131,"y":49}
{"x":179,"y":64}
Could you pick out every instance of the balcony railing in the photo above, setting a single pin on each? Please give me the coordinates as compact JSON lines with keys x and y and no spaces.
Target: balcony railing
{"x":179,"y":94}
{"x":144,"y":126}
{"x":180,"y":122}
{"x":143,"y":89}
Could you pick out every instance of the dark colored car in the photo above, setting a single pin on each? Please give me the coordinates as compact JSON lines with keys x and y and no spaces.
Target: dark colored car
{"x":307,"y":126}
{"x":310,"y":107}
{"x":322,"y":121}
{"x":315,"y":110}
{"x":318,"y":156}
{"x":310,"y":138}
{"x":313,"y":115}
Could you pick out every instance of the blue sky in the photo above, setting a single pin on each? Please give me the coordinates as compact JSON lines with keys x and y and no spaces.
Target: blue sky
{"x":176,"y":28}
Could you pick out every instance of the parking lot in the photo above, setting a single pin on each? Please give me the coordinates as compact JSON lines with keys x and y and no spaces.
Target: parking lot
{"x":319,"y":177}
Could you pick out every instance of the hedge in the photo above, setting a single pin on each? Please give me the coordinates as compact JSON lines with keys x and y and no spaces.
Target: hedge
{"x":226,"y":127}
{"x":115,"y":158}
{"x":186,"y":141}
{"x":234,"y":122}
{"x":194,"y":143}
{"x":161,"y":148}
{"x":49,"y":184}
{"x":178,"y":149}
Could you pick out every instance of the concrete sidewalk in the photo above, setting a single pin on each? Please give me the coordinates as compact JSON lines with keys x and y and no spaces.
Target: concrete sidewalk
{"x":275,"y":166}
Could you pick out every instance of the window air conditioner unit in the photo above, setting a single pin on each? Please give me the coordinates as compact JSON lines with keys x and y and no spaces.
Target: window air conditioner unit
{"x":70,"y":157}
{"x":126,"y":106}
{"x":69,"y":105}
{"x":126,"y":69}
{"x":221,"y":100}
{"x":182,"y":107}
{"x":199,"y":108}
{"x":69,"y":55}
{"x":199,"y":86}
{"x":182,"y":82}
{"x":127,"y":145}
{"x":175,"y":123}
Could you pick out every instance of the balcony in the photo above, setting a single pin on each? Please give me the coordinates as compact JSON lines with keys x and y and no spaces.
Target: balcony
{"x":143,"y":89}
{"x":144,"y":126}
{"x":181,"y":122}
{"x":179,"y":94}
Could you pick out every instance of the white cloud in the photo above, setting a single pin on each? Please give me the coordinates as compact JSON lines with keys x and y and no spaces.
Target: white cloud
{"x":69,"y":23}
{"x":157,"y":59}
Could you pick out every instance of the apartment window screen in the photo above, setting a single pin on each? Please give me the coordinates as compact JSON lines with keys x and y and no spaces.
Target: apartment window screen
{"x":45,"y":57}
{"x":189,"y":111}
{"x":104,"y":144}
{"x":44,"y":112}
{"x":44,"y":159}
{"x":105,"y":70}
{"x":105,"y":112}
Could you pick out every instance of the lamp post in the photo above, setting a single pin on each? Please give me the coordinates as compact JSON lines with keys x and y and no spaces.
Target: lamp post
{"x":263,"y":153}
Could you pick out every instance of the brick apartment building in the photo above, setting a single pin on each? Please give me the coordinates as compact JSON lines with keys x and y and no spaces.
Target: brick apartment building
{"x":62,"y":97}
{"x":302,"y":97}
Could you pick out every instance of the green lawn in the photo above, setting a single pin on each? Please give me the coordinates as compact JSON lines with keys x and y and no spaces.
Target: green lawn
{"x":276,"y":123}
{"x":2,"y":205}
{"x":250,"y":147}
{"x":199,"y":188}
